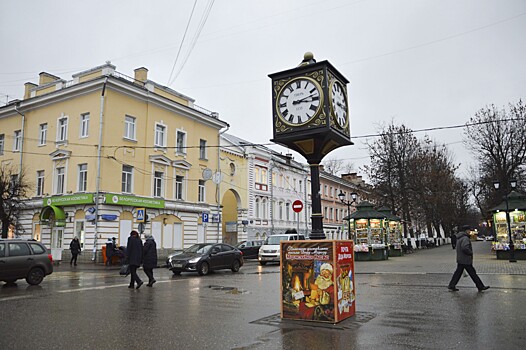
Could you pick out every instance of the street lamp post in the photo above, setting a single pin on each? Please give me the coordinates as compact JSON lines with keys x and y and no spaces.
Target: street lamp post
{"x":513,"y":183}
{"x":348,"y":203}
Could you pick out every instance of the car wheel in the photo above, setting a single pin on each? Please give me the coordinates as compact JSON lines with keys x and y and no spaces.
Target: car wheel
{"x":35,"y":276}
{"x":235,"y":266}
{"x":203,"y":269}
{"x":262,"y":263}
{"x":176,"y":273}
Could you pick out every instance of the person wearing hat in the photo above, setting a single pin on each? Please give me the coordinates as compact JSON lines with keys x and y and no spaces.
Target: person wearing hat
{"x":110,"y":249}
{"x":465,"y":261}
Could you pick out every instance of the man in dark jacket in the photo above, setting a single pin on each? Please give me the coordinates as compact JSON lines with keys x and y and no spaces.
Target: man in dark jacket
{"x":149,"y":259}
{"x":134,"y":258}
{"x":465,"y":261}
{"x":453,"y":241}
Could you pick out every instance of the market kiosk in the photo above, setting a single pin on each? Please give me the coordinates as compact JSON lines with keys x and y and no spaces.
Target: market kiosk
{"x":517,"y":210}
{"x":393,"y":228}
{"x":368,"y":232}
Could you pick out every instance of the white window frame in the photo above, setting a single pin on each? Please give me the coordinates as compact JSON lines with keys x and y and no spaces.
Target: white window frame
{"x":130,"y":127}
{"x":82,"y":177}
{"x":40,"y":183}
{"x":160,"y":134}
{"x":42,"y":135}
{"x":158,"y":184}
{"x":84,"y":125}
{"x":17,"y":140}
{"x":60,"y":179}
{"x":179,"y":187}
{"x":180,"y":146}
{"x":127,"y":179}
{"x":62,"y":129}
{"x":202,"y":149}
{"x":201,"y":191}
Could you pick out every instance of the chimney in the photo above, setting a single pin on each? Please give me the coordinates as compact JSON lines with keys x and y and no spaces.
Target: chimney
{"x":141,"y":75}
{"x":46,"y":78}
{"x":27,"y":90}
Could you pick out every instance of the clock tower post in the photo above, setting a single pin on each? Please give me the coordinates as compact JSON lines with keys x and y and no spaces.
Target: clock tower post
{"x":311,"y":116}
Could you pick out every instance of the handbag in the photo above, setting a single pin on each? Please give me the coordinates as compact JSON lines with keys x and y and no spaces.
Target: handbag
{"x":125,"y":270}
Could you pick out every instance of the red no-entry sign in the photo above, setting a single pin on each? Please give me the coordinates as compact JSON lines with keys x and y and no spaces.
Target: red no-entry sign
{"x":297,"y":206}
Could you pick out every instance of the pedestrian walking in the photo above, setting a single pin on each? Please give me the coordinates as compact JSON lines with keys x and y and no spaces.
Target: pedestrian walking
{"x":74,"y":247}
{"x":134,"y":258}
{"x":453,"y":241}
{"x":465,"y":261}
{"x":149,"y":258}
{"x":110,"y":251}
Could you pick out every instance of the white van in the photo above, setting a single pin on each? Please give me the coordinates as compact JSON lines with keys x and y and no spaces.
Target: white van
{"x":269,"y":251}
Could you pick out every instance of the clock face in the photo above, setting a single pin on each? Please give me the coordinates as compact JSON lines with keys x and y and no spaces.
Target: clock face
{"x":339,"y":103}
{"x":299,"y":101}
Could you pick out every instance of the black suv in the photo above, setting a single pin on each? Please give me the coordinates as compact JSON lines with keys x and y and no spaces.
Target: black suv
{"x":20,"y":258}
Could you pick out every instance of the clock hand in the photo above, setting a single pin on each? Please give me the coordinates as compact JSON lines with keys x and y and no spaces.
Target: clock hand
{"x":303,"y":100}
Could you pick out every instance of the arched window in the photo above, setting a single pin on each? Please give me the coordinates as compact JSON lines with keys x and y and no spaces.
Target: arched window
{"x":264,"y":208}
{"x":256,"y":214}
{"x":281,"y":210}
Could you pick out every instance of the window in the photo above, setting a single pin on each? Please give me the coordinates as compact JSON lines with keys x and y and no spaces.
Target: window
{"x":83,"y":177}
{"x":18,"y":249}
{"x":263,"y":176}
{"x":256,"y":174}
{"x":129,"y":127}
{"x":264,"y":209}
{"x":160,"y":135}
{"x":59,"y":180}
{"x":180,"y":142}
{"x":256,"y":207}
{"x":287,"y":211}
{"x":42,"y":135}
{"x":2,"y":138}
{"x":62,"y":129}
{"x":127,"y":176}
{"x":40,"y":182}
{"x":17,"y":141}
{"x":281,"y":210}
{"x":179,"y":187}
{"x":84,"y":125}
{"x":201,"y":191}
{"x":158,"y":184}
{"x":300,"y":186}
{"x":202,"y":149}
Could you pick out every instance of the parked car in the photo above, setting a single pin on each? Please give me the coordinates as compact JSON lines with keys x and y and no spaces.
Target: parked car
{"x":269,"y":252}
{"x":205,"y":257}
{"x":250,"y":249}
{"x":27,"y":259}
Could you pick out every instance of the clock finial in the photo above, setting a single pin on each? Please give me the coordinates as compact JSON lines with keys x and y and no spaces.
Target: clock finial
{"x":308,"y":58}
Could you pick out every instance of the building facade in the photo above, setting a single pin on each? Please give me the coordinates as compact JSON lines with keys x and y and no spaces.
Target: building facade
{"x":105,"y":152}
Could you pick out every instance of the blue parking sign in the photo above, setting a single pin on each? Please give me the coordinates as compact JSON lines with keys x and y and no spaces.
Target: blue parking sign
{"x":205,"y":217}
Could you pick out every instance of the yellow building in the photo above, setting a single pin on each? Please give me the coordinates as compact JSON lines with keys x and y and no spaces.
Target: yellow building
{"x":104,"y":146}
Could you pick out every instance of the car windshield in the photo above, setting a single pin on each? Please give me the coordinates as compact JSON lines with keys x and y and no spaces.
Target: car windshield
{"x":240,"y":244}
{"x":274,"y":240}
{"x":199,"y":248}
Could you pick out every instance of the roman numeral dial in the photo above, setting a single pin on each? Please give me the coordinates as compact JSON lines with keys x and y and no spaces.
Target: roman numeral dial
{"x":338,"y":101}
{"x":299,"y":101}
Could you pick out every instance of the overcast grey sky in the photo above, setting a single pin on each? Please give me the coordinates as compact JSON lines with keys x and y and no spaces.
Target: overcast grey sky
{"x":424,"y":63}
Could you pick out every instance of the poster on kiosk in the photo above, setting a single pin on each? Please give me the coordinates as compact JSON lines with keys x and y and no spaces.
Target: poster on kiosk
{"x":317,"y":280}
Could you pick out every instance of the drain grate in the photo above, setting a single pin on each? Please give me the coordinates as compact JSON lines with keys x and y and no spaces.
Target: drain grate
{"x":359,"y":319}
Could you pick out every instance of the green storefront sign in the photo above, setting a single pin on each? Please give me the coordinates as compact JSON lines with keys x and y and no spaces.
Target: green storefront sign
{"x":84,"y":198}
{"x":132,"y":201}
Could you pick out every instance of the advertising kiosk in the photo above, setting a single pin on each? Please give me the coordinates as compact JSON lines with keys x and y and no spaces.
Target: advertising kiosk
{"x":368,"y":231}
{"x":393,"y":229}
{"x":317,"y":280}
{"x":517,"y":210}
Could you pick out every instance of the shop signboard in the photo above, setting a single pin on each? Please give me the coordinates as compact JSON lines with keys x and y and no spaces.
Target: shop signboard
{"x":133,"y":201}
{"x":317,"y":280}
{"x":74,"y":199}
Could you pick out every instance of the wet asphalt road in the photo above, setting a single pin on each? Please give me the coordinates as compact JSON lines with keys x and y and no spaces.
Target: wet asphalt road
{"x":398,"y":307}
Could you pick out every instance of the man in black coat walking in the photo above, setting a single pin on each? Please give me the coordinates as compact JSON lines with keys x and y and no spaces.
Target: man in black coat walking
{"x":134,"y":258}
{"x":465,"y":261}
{"x":149,"y":261}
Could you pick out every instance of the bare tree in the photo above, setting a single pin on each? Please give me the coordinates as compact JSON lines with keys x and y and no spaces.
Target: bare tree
{"x":335,"y":166}
{"x":13,"y":190}
{"x":497,"y":138}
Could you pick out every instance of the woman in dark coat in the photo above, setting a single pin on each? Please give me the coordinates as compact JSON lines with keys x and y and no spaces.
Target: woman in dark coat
{"x":134,"y":258}
{"x":74,"y":246}
{"x":149,"y":259}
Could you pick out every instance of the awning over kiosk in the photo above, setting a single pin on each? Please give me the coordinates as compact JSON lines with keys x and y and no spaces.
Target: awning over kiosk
{"x":53,"y":214}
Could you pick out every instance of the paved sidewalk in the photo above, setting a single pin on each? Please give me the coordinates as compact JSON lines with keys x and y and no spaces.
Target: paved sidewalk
{"x":442,"y":260}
